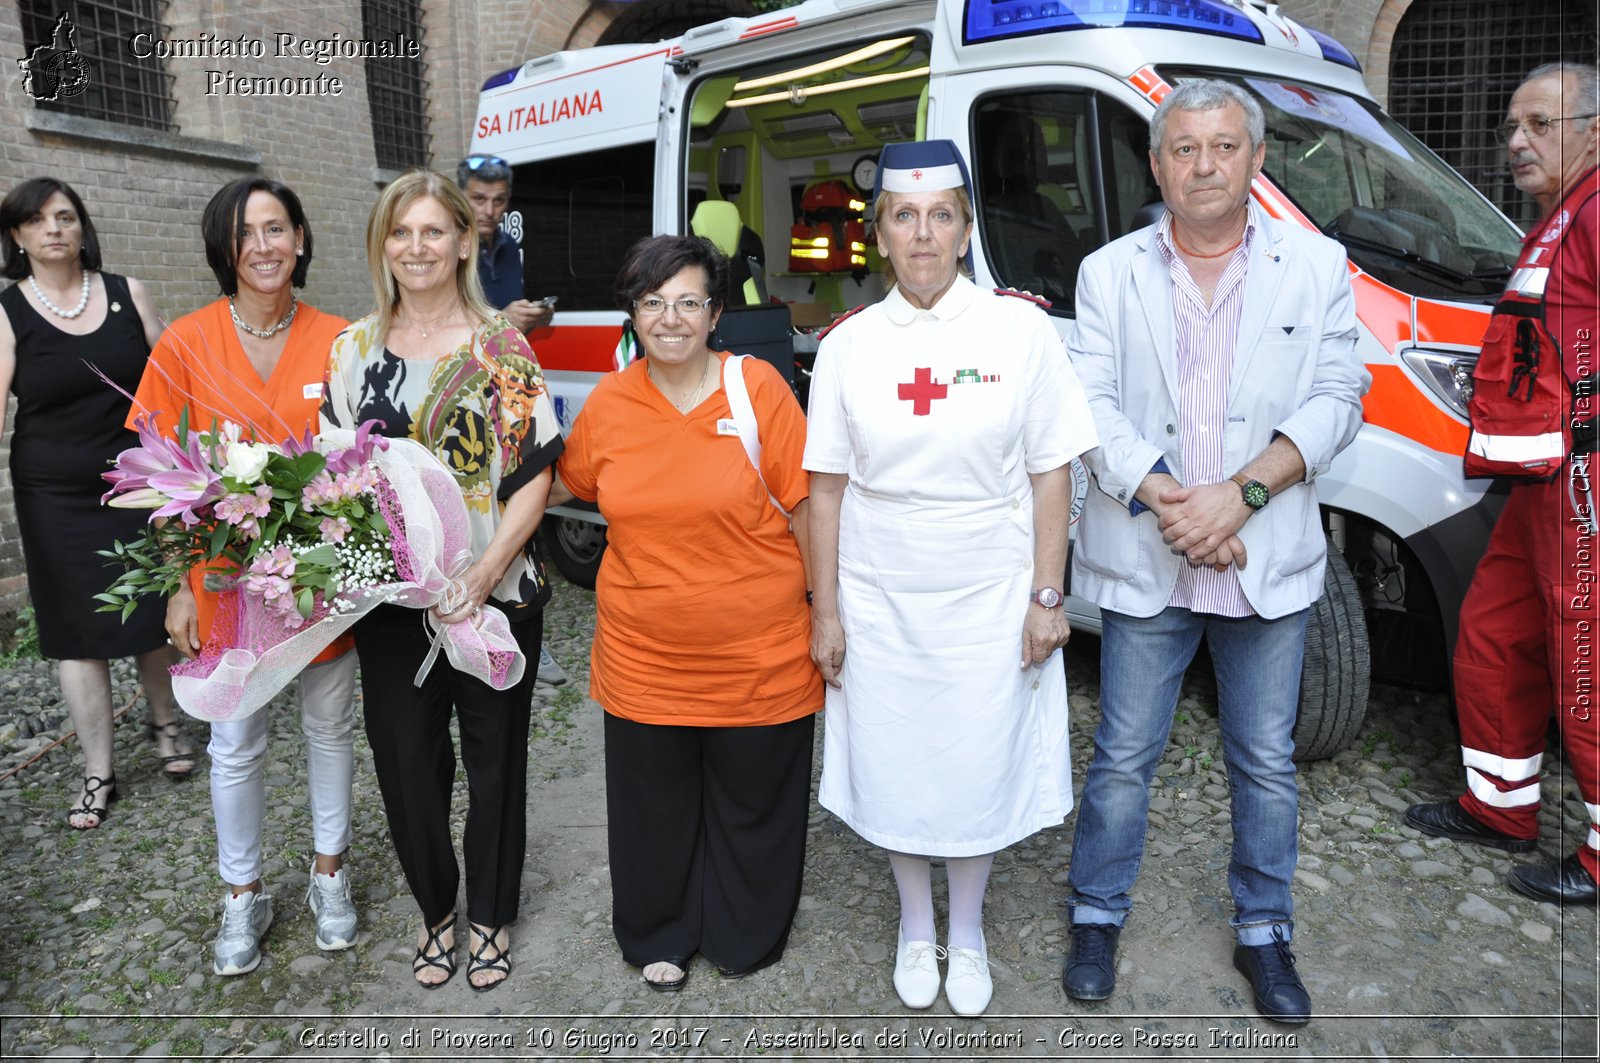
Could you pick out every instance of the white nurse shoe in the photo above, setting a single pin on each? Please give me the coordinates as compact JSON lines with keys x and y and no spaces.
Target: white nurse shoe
{"x":916,"y":971}
{"x":968,"y":986}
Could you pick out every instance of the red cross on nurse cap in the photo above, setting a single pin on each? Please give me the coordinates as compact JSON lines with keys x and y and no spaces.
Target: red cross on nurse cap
{"x":921,"y":166}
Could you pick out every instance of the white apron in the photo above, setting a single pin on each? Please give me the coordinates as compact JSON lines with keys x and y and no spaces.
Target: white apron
{"x":944,"y":746}
{"x":939,"y":743}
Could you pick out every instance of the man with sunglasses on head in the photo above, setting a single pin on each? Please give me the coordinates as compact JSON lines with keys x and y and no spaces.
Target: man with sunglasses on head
{"x":1531,"y":618}
{"x":486,"y":179}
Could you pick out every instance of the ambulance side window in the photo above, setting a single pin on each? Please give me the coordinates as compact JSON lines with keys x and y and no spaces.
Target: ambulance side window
{"x":580,"y":214}
{"x":1058,"y":173}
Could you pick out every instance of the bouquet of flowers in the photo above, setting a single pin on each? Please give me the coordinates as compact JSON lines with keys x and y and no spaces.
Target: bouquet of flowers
{"x":301,"y":538}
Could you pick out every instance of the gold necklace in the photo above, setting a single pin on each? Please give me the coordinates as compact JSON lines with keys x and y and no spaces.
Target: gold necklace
{"x":438,"y":323}
{"x":694,"y":400}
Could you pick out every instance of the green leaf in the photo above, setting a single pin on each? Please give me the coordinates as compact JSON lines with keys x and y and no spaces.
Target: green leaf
{"x":304,"y":601}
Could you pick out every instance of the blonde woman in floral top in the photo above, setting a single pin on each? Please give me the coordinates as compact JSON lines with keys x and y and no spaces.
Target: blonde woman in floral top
{"x":434,"y":363}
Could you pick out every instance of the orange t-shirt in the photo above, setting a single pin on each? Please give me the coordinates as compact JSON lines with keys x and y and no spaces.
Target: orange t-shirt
{"x":701,"y":616}
{"x":199,"y":365}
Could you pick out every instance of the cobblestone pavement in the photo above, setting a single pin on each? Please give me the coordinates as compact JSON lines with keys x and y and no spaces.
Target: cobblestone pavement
{"x":1411,"y":947}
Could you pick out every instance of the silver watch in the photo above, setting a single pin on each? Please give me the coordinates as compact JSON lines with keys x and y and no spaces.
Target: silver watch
{"x":1046,"y":597}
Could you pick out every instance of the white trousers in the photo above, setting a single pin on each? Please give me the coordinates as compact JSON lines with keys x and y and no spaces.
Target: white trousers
{"x":239,"y":770}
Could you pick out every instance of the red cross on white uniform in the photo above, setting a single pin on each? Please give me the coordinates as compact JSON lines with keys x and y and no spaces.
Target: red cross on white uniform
{"x":922,"y":391}
{"x":916,"y":175}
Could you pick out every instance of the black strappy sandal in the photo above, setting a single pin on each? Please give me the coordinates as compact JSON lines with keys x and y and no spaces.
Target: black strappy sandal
{"x":479,"y":960}
{"x":92,"y":785}
{"x":170,"y":730}
{"x":677,"y":984}
{"x":442,"y":957}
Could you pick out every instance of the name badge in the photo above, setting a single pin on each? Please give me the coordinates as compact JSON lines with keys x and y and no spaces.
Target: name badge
{"x":311,"y":391}
{"x":727,"y":426}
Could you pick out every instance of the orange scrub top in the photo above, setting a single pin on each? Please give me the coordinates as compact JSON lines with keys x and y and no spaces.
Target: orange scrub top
{"x":199,"y":365}
{"x":701,"y":617}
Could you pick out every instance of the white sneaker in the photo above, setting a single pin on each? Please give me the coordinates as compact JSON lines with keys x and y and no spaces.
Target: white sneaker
{"x":245,"y":920}
{"x":549,"y":671}
{"x":329,"y":898}
{"x":916,"y":971}
{"x":968,"y":987}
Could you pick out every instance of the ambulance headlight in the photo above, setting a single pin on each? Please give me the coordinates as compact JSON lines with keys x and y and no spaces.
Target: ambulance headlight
{"x":1448,"y":375}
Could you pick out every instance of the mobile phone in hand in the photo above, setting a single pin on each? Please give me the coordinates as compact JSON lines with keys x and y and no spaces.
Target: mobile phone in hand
{"x":550,"y":301}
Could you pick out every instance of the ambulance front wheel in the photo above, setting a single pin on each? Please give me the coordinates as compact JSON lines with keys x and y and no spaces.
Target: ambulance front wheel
{"x":574,"y":547}
{"x":1337,"y":674}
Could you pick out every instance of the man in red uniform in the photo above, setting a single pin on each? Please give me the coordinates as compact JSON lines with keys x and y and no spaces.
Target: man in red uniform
{"x":1530,"y":624}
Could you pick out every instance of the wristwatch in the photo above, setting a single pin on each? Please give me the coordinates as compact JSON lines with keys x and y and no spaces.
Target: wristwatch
{"x":1256,"y":495}
{"x":1046,"y":597}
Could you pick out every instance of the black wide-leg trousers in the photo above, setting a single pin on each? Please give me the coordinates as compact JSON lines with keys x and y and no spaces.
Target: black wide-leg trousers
{"x":408,"y":728}
{"x":707,"y":834}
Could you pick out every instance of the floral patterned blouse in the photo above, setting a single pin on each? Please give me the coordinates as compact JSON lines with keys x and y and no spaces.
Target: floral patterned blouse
{"x":482,"y":410}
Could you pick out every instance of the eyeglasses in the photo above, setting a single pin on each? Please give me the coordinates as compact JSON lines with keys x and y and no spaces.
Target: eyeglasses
{"x":1537,"y":127}
{"x":686,"y":307}
{"x":478,"y":162}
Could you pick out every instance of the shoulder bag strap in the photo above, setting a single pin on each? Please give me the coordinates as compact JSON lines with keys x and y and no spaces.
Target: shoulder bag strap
{"x":744,"y":418}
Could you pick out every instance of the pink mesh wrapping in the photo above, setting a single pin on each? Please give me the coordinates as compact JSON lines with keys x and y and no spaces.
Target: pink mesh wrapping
{"x":251,"y":656}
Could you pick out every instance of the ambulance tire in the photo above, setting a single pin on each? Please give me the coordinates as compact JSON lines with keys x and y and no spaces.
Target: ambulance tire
{"x":574,"y":547}
{"x":1337,"y":674}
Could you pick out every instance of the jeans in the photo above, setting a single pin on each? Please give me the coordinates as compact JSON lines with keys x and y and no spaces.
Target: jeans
{"x":239,"y":770}
{"x":1142,"y":662}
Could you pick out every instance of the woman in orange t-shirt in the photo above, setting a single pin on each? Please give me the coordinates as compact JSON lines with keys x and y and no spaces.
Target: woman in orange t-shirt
{"x":701,"y":655}
{"x":256,"y":358}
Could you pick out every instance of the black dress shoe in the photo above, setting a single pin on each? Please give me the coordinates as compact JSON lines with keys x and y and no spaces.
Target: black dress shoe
{"x":1447,"y":819}
{"x":1568,"y":882}
{"x":1280,"y":995}
{"x":1090,"y":971}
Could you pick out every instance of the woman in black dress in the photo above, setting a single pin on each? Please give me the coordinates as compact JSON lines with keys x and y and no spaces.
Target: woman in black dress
{"x":62,"y":317}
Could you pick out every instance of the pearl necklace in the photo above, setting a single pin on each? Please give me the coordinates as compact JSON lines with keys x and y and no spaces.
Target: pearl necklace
{"x":267,"y":333}
{"x":693,"y":400}
{"x":83,"y":299}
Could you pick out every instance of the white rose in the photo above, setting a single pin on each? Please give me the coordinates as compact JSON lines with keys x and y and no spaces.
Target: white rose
{"x":246,"y":461}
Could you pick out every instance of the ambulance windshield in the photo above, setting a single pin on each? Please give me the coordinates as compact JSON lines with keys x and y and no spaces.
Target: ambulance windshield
{"x":1404,"y":215}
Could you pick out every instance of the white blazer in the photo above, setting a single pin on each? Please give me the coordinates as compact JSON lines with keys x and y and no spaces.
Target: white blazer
{"x":1295,"y":373}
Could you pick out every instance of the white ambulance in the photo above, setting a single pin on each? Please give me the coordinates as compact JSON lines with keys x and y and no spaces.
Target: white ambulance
{"x":763,"y":133}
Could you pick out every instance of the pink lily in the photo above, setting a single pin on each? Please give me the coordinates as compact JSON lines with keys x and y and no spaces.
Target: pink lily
{"x":360,"y":452}
{"x":191,"y":486}
{"x":155,"y":454}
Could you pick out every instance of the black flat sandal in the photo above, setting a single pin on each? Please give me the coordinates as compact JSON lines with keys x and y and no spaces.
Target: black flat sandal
{"x":479,"y":960}
{"x":170,"y":730}
{"x":441,"y":957}
{"x":677,"y":984}
{"x":92,"y":785}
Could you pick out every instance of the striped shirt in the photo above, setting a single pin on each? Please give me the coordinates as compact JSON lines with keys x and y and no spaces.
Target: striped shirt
{"x":1206,"y":339}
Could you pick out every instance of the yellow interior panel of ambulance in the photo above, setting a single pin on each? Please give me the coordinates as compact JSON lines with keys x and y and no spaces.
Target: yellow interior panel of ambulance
{"x":780,"y":164}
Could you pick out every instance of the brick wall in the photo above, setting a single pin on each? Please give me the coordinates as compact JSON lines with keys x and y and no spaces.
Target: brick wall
{"x":145,"y":190}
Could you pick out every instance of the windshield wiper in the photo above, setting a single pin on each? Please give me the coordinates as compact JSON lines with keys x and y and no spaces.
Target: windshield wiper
{"x":1405,"y":255}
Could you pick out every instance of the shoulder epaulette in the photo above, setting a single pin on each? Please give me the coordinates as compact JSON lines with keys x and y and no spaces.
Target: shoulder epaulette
{"x":841,"y":319}
{"x":1037,"y":300}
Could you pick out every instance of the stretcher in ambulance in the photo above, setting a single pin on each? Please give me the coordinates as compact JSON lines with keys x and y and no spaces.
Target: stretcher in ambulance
{"x":725,"y":129}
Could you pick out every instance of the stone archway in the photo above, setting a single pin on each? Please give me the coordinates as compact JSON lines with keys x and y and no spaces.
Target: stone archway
{"x":654,"y":20}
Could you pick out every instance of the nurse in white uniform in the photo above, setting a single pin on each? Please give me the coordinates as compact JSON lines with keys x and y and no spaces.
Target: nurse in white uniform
{"x":942,"y":422}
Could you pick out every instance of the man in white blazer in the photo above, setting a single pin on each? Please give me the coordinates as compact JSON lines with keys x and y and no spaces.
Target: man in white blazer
{"x":1217,"y":349}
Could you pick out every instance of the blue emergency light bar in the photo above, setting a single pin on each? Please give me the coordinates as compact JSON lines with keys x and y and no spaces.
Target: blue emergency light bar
{"x":1332,"y":50}
{"x":995,"y":20}
{"x":505,"y":77}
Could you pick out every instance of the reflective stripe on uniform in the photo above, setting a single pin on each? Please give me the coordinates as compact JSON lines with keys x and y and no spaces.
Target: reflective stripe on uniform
{"x":1518,"y":449}
{"x":1494,"y":797}
{"x":1529,"y":281}
{"x":1511,"y":769}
